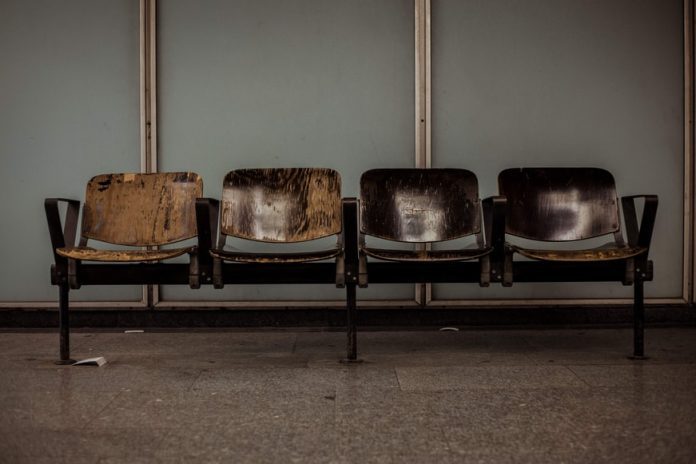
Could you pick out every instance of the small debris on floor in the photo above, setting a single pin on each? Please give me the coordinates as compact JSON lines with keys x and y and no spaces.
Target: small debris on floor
{"x":133,"y":331}
{"x":449,"y":329}
{"x":98,"y":361}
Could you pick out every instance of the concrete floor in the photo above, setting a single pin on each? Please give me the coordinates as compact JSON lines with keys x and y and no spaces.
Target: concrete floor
{"x":477,"y":396}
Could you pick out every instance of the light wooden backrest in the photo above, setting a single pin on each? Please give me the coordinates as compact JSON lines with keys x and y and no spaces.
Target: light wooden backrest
{"x":141,"y":209}
{"x":419,"y":205}
{"x":559,"y":204}
{"x":281,"y":204}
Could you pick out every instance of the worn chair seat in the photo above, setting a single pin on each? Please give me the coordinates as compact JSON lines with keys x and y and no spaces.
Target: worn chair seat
{"x":604,"y":253}
{"x":426,"y":255}
{"x":294,"y":257}
{"x":84,"y":253}
{"x":130,"y":211}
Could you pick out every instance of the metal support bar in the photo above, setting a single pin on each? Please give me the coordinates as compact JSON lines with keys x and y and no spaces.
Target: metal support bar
{"x":547,"y":271}
{"x":274,"y":273}
{"x":207,"y":211}
{"x":494,"y":228}
{"x":352,"y":272}
{"x":133,"y":274}
{"x":350,"y":239}
{"x":381,"y":272}
{"x":64,"y":324}
{"x":352,"y":326}
{"x":638,"y":319}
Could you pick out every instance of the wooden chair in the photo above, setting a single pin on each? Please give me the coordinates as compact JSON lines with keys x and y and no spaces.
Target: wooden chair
{"x":134,"y":210}
{"x":281,"y":206}
{"x":570,"y":204}
{"x":424,"y":206}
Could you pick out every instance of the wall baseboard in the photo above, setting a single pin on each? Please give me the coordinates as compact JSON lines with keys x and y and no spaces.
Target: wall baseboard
{"x":331,"y":318}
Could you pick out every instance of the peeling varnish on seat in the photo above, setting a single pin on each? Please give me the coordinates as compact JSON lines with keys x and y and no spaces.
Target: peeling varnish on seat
{"x":281,"y":204}
{"x":559,"y":204}
{"x":597,"y":254}
{"x":141,"y":209}
{"x":562,"y":205}
{"x":296,"y":257}
{"x":419,"y":205}
{"x":123,"y":256}
{"x":427,"y":255}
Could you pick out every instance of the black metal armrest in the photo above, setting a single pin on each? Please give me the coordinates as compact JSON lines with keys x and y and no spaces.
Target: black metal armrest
{"x":494,"y":209}
{"x":494,"y":221}
{"x":349,"y":208}
{"x":201,"y":268}
{"x":639,"y":236}
{"x":61,"y":235}
{"x":207,"y":211}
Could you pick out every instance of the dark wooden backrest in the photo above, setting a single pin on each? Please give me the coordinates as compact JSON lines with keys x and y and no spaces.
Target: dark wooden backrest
{"x":141,"y":209}
{"x":559,"y":204}
{"x":419,"y":205}
{"x":281,"y":204}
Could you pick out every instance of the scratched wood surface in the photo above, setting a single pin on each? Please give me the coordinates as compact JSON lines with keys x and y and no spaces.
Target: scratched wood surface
{"x":141,"y":209}
{"x":559,"y":204}
{"x":426,"y":255}
{"x":595,"y":254}
{"x":281,"y":204}
{"x":293,"y":257}
{"x":419,"y":205}
{"x":122,"y":256}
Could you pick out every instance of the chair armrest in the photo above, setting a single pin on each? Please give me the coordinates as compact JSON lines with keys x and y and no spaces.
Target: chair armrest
{"x":494,"y":210}
{"x":61,"y":235}
{"x":639,"y":236}
{"x":494,"y":220}
{"x":207,"y":212}
{"x":349,"y":209}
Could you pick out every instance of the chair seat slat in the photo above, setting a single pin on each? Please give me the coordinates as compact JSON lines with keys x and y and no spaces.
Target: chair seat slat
{"x":287,"y":257}
{"x":426,"y":255}
{"x":122,"y":256}
{"x":594,"y":254}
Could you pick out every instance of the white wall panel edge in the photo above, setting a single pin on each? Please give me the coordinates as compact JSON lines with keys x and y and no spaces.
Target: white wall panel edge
{"x":75,"y":304}
{"x":689,"y":292}
{"x":557,"y":302}
{"x":252,"y":304}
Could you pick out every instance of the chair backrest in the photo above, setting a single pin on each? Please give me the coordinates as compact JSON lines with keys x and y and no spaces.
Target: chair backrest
{"x":419,"y":205}
{"x":141,"y":209}
{"x":559,"y":204}
{"x":281,"y":204}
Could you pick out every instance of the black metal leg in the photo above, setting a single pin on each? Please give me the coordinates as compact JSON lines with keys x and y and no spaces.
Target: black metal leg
{"x":64,"y":325}
{"x":638,"y":319}
{"x":352,"y":330}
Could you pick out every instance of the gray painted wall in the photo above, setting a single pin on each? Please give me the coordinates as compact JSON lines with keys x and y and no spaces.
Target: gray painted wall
{"x":565,"y":83}
{"x":262,"y":83}
{"x":330,"y":83}
{"x":68,"y":110}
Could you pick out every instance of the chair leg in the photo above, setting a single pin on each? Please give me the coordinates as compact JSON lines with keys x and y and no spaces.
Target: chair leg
{"x":638,"y":320}
{"x":352,"y":330}
{"x":64,"y":324}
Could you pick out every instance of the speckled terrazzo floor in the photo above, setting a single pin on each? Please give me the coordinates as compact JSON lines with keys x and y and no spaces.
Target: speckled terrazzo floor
{"x":479,"y":396}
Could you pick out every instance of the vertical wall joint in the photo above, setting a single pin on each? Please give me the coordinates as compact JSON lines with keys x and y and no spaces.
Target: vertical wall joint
{"x":422,"y":83}
{"x":148,"y":86}
{"x":423,"y":292}
{"x":148,"y":106}
{"x":689,"y":161}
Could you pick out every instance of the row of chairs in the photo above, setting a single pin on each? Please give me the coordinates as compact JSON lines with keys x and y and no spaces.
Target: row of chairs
{"x":150,"y":212}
